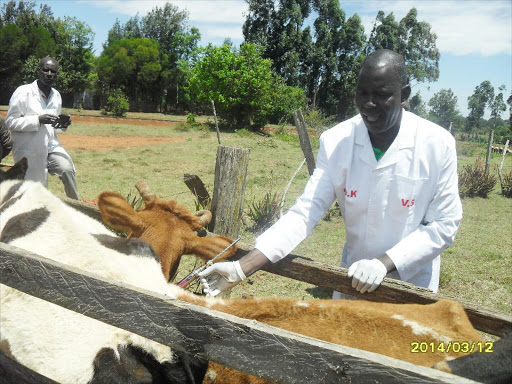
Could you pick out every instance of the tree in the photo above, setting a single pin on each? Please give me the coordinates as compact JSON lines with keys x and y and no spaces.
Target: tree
{"x":241,"y":84}
{"x":325,"y":67}
{"x":280,"y":31}
{"x":497,"y":107}
{"x":14,"y":44}
{"x":413,"y":39}
{"x":336,"y":59}
{"x":477,"y":103}
{"x":68,"y":40}
{"x":509,"y":102}
{"x":417,"y":105}
{"x":443,"y":107}
{"x":136,"y":66}
{"x":168,"y":26}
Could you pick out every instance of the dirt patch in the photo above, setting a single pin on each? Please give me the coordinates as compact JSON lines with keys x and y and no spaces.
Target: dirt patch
{"x":98,"y":143}
{"x":120,"y":120}
{"x":94,"y":120}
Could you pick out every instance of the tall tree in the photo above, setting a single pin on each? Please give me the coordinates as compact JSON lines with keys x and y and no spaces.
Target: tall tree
{"x":509,"y":102}
{"x":477,"y":103}
{"x":336,"y":59}
{"x":413,"y":39}
{"x":68,"y":40}
{"x":443,"y":107}
{"x":417,"y":105}
{"x":137,"y":66}
{"x":257,"y":27}
{"x":279,"y":28}
{"x":168,"y":26}
{"x":497,"y":106}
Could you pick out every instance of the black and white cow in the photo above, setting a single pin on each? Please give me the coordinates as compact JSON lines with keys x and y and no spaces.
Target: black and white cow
{"x":58,"y":343}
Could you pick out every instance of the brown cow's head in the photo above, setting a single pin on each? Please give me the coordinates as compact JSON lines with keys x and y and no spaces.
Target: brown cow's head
{"x":166,"y":225}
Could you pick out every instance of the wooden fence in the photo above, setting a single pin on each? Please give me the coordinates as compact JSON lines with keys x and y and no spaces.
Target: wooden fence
{"x":246,"y":345}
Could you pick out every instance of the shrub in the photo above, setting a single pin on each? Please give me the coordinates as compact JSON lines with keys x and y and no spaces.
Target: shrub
{"x":263,"y":213}
{"x":317,"y":121}
{"x":191,"y":119}
{"x":475,"y":181}
{"x":506,"y":187}
{"x":117,"y":103}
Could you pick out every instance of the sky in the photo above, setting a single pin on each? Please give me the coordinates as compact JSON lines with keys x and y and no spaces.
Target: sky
{"x":473,"y":37}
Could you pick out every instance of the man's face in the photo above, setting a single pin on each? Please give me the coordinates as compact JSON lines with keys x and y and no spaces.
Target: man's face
{"x":48,"y":72}
{"x":379,"y":98}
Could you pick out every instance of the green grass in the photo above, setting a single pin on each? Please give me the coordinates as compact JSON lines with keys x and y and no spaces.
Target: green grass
{"x":477,"y":268}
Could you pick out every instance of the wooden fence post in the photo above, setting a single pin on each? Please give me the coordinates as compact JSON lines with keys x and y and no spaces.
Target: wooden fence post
{"x":229,"y":190}
{"x":196,"y":186}
{"x":300,"y":123}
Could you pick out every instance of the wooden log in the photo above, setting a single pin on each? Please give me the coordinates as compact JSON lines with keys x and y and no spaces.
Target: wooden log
{"x":391,"y":290}
{"x":305,"y":144}
{"x":12,"y":372}
{"x":196,"y":186}
{"x":229,"y":190}
{"x":246,"y":345}
{"x":90,"y":210}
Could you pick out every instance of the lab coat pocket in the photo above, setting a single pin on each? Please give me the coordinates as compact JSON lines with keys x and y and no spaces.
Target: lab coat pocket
{"x":401,"y":201}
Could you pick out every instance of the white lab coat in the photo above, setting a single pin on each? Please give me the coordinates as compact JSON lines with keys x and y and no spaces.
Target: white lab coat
{"x":405,"y":205}
{"x":30,"y":138}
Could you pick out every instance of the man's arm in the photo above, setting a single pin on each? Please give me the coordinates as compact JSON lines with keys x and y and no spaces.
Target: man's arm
{"x":280,"y":239}
{"x":17,"y":118}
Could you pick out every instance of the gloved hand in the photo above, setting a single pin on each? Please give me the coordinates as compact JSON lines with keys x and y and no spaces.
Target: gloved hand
{"x":367,"y":274}
{"x":221,"y":276}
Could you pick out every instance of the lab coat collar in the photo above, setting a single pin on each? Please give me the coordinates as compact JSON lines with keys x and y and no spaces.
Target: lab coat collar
{"x":38,"y":93}
{"x":405,"y":139}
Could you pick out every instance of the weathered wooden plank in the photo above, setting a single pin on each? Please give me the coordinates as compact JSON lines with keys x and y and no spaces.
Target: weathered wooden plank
{"x":305,"y":144}
{"x":86,"y":208}
{"x":391,"y":290}
{"x":12,"y":372}
{"x":229,"y":190}
{"x":196,"y":186}
{"x":246,"y":345}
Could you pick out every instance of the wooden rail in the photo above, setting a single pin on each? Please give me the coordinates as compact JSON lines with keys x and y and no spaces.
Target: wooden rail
{"x":246,"y":345}
{"x":392,"y":291}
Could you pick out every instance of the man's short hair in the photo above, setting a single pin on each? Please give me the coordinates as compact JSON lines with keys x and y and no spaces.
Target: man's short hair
{"x":388,"y":57}
{"x":48,"y":58}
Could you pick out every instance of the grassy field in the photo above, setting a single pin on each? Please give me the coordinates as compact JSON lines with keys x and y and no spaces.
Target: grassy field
{"x":477,"y":268}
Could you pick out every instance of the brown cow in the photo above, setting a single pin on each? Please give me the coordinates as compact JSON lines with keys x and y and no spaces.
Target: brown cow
{"x":166,"y":225}
{"x":388,"y":329}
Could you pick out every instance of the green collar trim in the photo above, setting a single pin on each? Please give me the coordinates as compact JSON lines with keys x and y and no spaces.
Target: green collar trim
{"x":378,"y":153}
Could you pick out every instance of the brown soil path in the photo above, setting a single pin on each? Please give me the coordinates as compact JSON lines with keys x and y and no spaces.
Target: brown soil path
{"x":99,"y":143}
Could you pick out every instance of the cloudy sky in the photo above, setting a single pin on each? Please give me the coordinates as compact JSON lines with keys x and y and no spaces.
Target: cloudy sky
{"x":474,"y":37}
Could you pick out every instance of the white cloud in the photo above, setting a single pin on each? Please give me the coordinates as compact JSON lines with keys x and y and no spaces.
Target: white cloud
{"x":200,"y":11}
{"x":462,"y":27}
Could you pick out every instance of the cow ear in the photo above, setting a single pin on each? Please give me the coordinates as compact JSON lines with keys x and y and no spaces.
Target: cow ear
{"x":117,"y":213}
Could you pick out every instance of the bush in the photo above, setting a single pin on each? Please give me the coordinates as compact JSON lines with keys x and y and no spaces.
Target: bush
{"x":117,"y":103}
{"x":506,"y":188}
{"x":317,"y":121}
{"x":475,"y":181}
{"x":263,"y":213}
{"x":246,"y":92}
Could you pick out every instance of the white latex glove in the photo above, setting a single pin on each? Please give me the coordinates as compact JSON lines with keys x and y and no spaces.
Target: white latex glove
{"x":221,"y":276}
{"x":367,"y":274}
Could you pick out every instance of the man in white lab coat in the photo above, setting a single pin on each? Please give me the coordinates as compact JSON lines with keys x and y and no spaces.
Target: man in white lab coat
{"x":33,"y":118}
{"x":394,"y":175}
